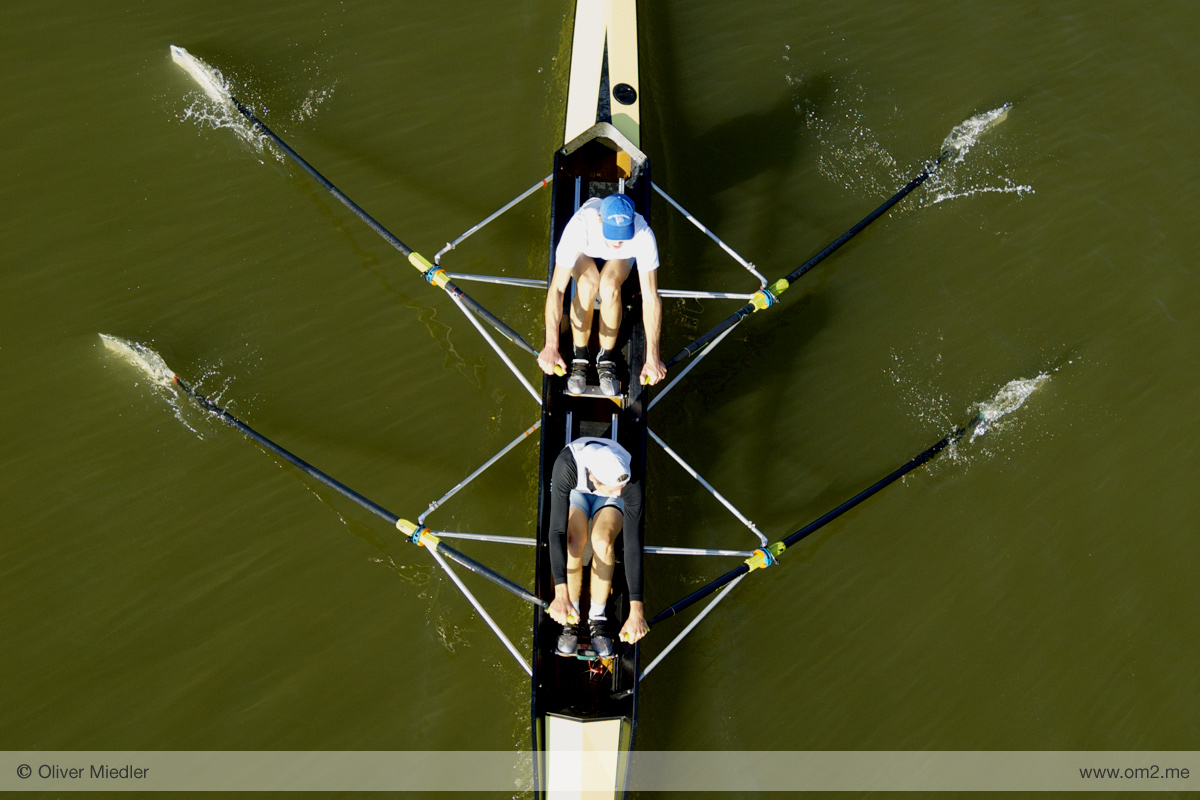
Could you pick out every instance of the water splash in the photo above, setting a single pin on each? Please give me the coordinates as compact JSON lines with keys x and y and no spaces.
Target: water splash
{"x":161,"y":378}
{"x":1011,"y":397}
{"x":213,"y":107}
{"x":920,"y":380}
{"x":925,"y":402}
{"x":312,"y":102}
{"x":852,"y":153}
{"x":967,"y":133}
{"x":984,"y":175}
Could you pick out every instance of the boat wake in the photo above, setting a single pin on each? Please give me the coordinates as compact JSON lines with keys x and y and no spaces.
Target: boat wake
{"x":161,"y":379}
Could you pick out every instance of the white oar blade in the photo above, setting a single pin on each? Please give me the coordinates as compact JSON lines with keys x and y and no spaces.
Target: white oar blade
{"x":1011,"y":397}
{"x":209,"y":78}
{"x":967,"y":132}
{"x":142,"y":358}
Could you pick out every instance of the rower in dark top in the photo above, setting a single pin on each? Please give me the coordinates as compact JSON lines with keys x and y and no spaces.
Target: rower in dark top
{"x":591,"y":483}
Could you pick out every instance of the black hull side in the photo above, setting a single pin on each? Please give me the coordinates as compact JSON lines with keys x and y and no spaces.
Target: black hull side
{"x":562,"y":686}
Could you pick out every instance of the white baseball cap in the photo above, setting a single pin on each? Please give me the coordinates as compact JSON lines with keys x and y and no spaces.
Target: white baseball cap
{"x":608,"y":463}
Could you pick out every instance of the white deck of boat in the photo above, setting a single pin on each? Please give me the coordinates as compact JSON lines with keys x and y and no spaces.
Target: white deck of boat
{"x":598,"y":21}
{"x":584,"y":758}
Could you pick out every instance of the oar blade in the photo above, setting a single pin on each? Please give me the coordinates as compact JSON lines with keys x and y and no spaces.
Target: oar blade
{"x":142,"y":358}
{"x":208,"y":78}
{"x":967,"y":133}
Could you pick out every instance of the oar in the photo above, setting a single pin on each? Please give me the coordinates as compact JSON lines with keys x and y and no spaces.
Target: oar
{"x":433,"y":274}
{"x":417,"y":534}
{"x":769,"y":296}
{"x":767,"y":556}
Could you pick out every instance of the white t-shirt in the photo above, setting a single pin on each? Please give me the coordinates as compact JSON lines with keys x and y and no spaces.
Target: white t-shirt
{"x":585,"y":450}
{"x":583,"y":234}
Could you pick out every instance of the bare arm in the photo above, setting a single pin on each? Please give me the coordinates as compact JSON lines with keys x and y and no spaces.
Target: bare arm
{"x":635,"y":627}
{"x":654,"y":370}
{"x":550,"y":358}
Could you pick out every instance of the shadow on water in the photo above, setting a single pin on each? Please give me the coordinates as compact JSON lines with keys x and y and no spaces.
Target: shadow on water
{"x":764,"y":146}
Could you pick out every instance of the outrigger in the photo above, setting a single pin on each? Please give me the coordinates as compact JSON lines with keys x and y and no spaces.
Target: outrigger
{"x":583,"y":709}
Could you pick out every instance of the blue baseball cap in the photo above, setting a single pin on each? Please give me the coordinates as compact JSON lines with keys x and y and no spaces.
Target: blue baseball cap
{"x":616,"y":217}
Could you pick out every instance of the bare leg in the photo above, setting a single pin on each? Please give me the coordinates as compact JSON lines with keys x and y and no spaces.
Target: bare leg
{"x":614,"y":274}
{"x":577,"y":531}
{"x":606,"y":525}
{"x":587,"y":283}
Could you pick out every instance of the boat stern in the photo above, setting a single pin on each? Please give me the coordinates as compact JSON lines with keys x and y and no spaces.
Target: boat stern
{"x":585,"y":758}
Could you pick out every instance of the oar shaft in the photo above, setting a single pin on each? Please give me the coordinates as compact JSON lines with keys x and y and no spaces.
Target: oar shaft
{"x":835,"y":245}
{"x":358,"y":210}
{"x":288,"y":456}
{"x":449,"y":286}
{"x":875,"y":488}
{"x":816,"y":524}
{"x":725,"y":325}
{"x":341,"y":488}
{"x":698,"y":595}
{"x":491,"y":575}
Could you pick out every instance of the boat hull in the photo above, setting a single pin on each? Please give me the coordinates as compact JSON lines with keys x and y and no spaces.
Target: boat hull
{"x":578,"y":702}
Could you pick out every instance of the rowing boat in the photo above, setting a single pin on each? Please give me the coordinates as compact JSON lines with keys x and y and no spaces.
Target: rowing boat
{"x":584,"y":709}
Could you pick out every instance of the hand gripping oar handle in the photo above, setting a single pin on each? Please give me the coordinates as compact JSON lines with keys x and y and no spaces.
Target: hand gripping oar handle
{"x":767,"y":297}
{"x":763,"y":558}
{"x":434,"y":275}
{"x":428,"y":540}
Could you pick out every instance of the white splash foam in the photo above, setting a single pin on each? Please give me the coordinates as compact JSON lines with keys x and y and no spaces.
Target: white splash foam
{"x":1011,"y":397}
{"x":850,"y":151}
{"x":967,"y":133}
{"x":852,"y":154}
{"x":953,"y":180}
{"x":151,"y":365}
{"x":940,"y":195}
{"x":215,"y":108}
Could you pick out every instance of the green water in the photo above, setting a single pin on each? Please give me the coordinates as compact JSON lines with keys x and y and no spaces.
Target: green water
{"x":170,"y":586}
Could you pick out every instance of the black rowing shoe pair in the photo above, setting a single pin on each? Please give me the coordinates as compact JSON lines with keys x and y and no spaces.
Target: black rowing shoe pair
{"x":602,"y":643}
